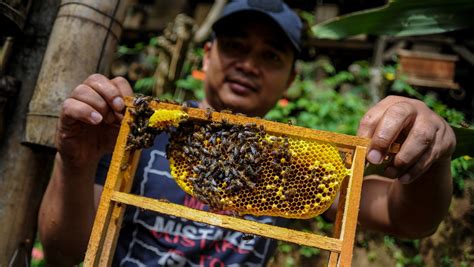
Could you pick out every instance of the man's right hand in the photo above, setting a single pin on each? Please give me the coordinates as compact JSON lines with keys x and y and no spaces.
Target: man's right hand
{"x":90,"y":119}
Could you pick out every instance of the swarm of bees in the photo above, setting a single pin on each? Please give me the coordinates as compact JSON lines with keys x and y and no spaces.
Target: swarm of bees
{"x":141,"y":135}
{"x":225,"y":158}
{"x":242,"y":168}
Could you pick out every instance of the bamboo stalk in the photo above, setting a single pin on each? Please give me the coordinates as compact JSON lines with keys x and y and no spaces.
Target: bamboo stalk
{"x":82,"y":42}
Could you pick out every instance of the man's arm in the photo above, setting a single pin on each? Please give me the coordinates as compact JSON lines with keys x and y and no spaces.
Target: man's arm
{"x":413,"y":195}
{"x":67,"y":213}
{"x":87,"y":129}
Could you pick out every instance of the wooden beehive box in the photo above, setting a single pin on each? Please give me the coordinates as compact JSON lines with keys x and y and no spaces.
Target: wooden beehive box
{"x":428,"y":69}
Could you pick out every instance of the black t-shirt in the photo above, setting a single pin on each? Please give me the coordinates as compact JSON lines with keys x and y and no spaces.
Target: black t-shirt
{"x":152,"y":239}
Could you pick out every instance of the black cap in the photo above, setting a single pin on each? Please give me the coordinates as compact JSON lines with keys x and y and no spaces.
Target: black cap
{"x":277,"y":10}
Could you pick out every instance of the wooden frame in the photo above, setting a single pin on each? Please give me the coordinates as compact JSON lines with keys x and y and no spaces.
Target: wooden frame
{"x":115,"y":195}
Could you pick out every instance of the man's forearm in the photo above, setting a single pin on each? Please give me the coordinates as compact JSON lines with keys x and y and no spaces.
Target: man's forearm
{"x":416,"y":209}
{"x":67,"y":213}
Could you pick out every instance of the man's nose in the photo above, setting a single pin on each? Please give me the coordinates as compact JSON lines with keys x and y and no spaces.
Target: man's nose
{"x":249,"y":64}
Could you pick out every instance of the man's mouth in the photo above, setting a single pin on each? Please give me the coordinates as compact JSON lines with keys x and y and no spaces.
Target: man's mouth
{"x":241,"y":86}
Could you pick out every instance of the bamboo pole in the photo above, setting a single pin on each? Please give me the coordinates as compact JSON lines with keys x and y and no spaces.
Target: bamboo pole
{"x":82,"y":42}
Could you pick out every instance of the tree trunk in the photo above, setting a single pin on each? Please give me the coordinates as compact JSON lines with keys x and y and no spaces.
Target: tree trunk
{"x":24,"y":171}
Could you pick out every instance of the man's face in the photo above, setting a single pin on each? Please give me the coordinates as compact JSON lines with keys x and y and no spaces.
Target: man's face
{"x":248,"y":67}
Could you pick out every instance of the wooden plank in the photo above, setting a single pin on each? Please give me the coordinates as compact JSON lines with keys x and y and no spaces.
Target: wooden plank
{"x":113,"y":182}
{"x":341,"y":140}
{"x":334,"y":256}
{"x":116,"y":217}
{"x":349,"y":221}
{"x":441,"y":84}
{"x":237,"y":224}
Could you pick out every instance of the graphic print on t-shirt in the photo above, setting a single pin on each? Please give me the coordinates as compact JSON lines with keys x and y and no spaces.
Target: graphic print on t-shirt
{"x":163,"y":240}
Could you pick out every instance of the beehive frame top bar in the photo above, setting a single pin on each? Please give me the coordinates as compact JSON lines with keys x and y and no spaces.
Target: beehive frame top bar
{"x":340,"y":140}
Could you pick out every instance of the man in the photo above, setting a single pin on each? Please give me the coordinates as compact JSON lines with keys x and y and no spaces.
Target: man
{"x":249,"y":65}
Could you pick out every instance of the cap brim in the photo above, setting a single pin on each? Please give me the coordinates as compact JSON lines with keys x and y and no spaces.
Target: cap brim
{"x":229,"y":15}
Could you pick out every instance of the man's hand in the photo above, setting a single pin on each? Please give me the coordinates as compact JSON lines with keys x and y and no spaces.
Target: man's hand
{"x":425,"y":137}
{"x":89,"y":119}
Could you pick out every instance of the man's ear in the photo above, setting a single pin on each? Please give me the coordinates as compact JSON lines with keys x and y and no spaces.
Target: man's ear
{"x":207,"y":52}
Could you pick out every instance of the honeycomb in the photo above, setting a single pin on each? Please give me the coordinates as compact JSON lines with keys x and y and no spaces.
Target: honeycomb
{"x":243,"y":169}
{"x":162,"y":119}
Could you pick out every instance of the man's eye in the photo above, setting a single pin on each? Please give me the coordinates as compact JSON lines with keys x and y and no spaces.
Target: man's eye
{"x":272,"y":57}
{"x":232,"y":46}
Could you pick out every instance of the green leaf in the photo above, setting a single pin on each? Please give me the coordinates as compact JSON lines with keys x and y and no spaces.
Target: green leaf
{"x":308,"y":251}
{"x":464,"y":141}
{"x":145,"y":85}
{"x":285,"y":248}
{"x":401,"y":18}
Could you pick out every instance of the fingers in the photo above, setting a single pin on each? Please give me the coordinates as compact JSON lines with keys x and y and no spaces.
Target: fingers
{"x":420,"y":138}
{"x":421,"y":165}
{"x":109,"y":91}
{"x":125,"y":90}
{"x":416,"y":152}
{"x":123,"y":86}
{"x":384,"y":124}
{"x":424,"y":136}
{"x":97,"y":99}
{"x":74,"y":110}
{"x":441,"y":147}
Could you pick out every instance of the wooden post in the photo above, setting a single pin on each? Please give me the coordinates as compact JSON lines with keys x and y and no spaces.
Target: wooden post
{"x":82,"y":42}
{"x":24,"y":171}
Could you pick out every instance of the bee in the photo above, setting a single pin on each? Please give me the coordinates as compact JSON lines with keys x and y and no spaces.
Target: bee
{"x":196,"y":170}
{"x":186,"y":150}
{"x":274,"y":138}
{"x":249,"y":171}
{"x":251,"y":157}
{"x":226,"y":111}
{"x":184,"y":107}
{"x":464,"y":124}
{"x":124,"y":166}
{"x":243,"y":148}
{"x":235,"y":173}
{"x":247,"y":181}
{"x":198,"y":136}
{"x":253,"y":148}
{"x":140,"y":100}
{"x":209,"y":113}
{"x":236,"y":152}
{"x":290,"y":193}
